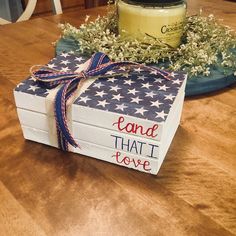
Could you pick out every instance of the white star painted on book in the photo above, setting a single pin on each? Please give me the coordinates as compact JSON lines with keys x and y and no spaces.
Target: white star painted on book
{"x":65,"y":62}
{"x":129,"y":82}
{"x":102,"y":103}
{"x":117,"y":97}
{"x":150,"y":94}
{"x":156,"y":104}
{"x":138,"y":70}
{"x":112,"y":79}
{"x":154,"y":72}
{"x":146,"y":85}
{"x":136,"y":100}
{"x":111,"y":72}
{"x":121,"y":107}
{"x":114,"y":88}
{"x":140,"y":111}
{"x":98,"y":85}
{"x":79,"y":59}
{"x":163,"y":87}
{"x":87,"y":89}
{"x":172,"y":74}
{"x":158,"y":80}
{"x":64,"y":54}
{"x":142,"y":77}
{"x":84,"y":99}
{"x":176,"y":81}
{"x":32,"y":79}
{"x":51,"y":66}
{"x":65,"y":69}
{"x":126,"y":75}
{"x":169,"y":97}
{"x":132,"y":91}
{"x":33,"y":88}
{"x":100,"y":94}
{"x":161,"y":114}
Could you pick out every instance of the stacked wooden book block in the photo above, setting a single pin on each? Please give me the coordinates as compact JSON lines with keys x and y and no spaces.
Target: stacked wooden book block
{"x":128,"y":119}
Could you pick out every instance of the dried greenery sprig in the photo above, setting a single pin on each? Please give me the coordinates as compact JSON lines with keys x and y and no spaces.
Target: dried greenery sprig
{"x":205,"y":43}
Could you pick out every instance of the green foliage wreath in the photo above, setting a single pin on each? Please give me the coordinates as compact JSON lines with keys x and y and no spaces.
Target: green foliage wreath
{"x":205,"y":43}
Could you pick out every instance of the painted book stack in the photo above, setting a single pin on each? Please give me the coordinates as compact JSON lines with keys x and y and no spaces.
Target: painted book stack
{"x":128,"y":119}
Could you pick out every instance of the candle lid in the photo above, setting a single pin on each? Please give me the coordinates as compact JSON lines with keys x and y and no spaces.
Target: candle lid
{"x":156,"y":2}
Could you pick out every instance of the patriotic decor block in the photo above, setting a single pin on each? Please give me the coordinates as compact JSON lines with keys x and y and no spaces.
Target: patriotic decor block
{"x":123,"y":113}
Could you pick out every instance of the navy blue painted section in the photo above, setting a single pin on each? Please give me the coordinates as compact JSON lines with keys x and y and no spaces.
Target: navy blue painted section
{"x":132,"y":96}
{"x":195,"y":86}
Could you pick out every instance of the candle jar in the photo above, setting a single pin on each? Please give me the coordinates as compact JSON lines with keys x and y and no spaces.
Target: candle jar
{"x":160,"y":19}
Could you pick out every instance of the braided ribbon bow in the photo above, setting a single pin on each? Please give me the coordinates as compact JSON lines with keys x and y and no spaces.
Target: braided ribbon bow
{"x":98,"y":65}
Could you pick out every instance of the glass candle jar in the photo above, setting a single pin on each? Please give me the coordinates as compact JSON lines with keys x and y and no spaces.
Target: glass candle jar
{"x":161,"y":19}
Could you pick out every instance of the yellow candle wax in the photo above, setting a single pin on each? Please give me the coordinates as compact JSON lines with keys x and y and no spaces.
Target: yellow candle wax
{"x":163,"y":23}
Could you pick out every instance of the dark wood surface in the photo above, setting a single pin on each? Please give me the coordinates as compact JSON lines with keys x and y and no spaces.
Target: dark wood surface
{"x":44,"y":191}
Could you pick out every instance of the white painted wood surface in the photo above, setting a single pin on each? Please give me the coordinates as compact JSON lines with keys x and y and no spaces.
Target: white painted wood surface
{"x":129,"y":160}
{"x":148,"y":165}
{"x":102,"y":136}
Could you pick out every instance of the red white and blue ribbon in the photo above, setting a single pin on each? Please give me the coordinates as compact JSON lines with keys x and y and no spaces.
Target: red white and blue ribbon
{"x":99,"y":64}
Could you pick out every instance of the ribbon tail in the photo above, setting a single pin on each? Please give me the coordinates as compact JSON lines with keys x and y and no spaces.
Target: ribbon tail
{"x":64,"y":134}
{"x":62,"y":143}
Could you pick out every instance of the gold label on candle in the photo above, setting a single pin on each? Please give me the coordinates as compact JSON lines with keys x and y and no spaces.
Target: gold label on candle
{"x":163,"y":23}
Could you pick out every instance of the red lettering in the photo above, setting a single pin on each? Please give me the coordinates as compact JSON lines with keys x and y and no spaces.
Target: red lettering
{"x":136,"y":164}
{"x":151,"y":131}
{"x":146,"y":164}
{"x":130,"y":128}
{"x":135,"y":128}
{"x":120,"y":120}
{"x":141,"y":129}
{"x":117,"y":157}
{"x":128,"y":161}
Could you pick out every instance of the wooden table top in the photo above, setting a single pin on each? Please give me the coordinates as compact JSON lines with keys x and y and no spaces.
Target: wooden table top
{"x":44,"y":191}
